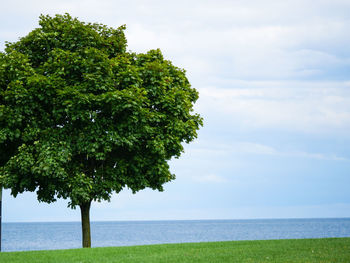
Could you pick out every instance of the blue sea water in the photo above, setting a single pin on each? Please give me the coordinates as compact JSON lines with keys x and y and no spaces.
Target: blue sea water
{"x":65,"y":235}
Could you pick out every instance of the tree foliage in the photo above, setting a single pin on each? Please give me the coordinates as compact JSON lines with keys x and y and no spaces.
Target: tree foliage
{"x":81,"y":117}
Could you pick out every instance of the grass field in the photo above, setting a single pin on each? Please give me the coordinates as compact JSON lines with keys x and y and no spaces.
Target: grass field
{"x":295,"y":250}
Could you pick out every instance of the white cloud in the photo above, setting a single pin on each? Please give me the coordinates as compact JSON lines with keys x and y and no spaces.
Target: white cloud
{"x":215,"y":149}
{"x":241,"y":39}
{"x":316,"y":109}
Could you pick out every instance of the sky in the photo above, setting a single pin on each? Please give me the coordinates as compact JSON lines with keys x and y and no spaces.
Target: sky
{"x":274,"y":85}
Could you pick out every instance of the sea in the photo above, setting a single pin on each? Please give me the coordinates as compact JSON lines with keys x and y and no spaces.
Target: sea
{"x":67,"y":235}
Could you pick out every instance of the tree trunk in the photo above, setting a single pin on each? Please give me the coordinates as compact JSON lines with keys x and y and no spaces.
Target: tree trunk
{"x":85,"y":223}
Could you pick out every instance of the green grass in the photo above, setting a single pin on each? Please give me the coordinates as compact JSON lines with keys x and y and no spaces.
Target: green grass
{"x":294,"y":250}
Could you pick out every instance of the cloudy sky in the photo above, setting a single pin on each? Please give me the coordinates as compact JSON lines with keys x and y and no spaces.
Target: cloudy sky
{"x":274,"y":84}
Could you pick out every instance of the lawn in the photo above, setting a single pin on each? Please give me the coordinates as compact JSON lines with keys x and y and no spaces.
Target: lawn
{"x":294,"y":250}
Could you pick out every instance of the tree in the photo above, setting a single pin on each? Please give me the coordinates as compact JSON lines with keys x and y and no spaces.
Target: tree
{"x":81,"y":117}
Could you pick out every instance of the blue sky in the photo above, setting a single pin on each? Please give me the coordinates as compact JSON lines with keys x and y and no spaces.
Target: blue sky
{"x":274,"y":84}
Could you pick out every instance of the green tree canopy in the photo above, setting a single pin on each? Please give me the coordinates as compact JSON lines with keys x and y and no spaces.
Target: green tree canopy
{"x":81,"y":117}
